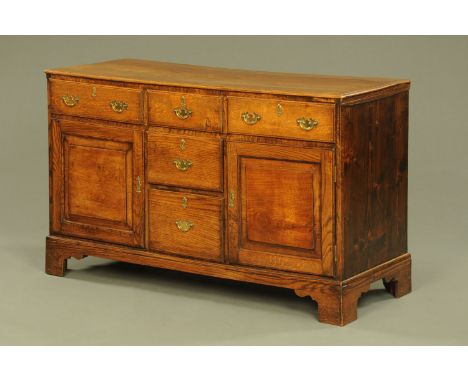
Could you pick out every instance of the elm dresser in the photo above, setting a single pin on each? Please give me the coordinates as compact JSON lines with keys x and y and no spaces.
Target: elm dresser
{"x":289,"y":180}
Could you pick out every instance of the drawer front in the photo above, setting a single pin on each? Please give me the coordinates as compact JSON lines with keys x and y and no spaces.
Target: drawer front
{"x":186,"y":224}
{"x":185,"y":110}
{"x":185,"y":160}
{"x":278,"y":118}
{"x":96,"y":101}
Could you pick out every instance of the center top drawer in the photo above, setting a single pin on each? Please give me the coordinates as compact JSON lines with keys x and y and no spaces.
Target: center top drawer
{"x":83,"y":99}
{"x":185,"y":110}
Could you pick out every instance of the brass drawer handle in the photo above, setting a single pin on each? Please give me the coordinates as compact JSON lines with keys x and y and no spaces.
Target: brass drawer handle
{"x":251,"y":118}
{"x":182,"y":112}
{"x":182,"y":164}
{"x":70,"y":100}
{"x":184,"y":225}
{"x":118,"y":106}
{"x":307,"y":124}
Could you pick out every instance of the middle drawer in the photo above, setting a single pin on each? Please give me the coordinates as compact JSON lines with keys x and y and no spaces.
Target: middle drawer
{"x":185,"y":160}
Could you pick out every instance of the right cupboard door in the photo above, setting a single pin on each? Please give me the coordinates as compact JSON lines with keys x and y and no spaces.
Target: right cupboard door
{"x":280,"y":207}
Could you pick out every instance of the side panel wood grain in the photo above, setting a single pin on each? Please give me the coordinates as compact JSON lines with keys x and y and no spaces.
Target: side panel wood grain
{"x":374,"y":138}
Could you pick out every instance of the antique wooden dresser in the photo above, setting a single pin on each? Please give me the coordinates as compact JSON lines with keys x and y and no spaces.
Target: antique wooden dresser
{"x":295,"y":181}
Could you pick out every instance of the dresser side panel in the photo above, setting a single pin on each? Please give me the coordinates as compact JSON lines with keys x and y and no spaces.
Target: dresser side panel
{"x":374,"y":182}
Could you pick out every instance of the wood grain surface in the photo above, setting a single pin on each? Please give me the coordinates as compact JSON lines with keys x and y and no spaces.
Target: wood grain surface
{"x":165,"y":73}
{"x":206,"y":111}
{"x":282,"y":215}
{"x":281,"y":121}
{"x":204,"y":153}
{"x":94,"y":170}
{"x":374,"y":156}
{"x":94,"y":100}
{"x":204,"y":238}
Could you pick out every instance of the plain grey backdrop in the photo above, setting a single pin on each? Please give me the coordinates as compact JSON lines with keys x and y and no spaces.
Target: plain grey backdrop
{"x":101,"y":302}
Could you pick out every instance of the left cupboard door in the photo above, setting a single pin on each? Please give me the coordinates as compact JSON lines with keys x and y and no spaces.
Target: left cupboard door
{"x":97,"y":181}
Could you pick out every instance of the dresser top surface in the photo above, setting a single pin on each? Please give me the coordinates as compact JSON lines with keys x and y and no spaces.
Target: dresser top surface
{"x":171,"y":74}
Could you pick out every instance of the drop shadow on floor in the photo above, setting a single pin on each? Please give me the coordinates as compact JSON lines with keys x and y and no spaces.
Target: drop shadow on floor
{"x":218,"y":290}
{"x":170,"y":282}
{"x":194,"y":286}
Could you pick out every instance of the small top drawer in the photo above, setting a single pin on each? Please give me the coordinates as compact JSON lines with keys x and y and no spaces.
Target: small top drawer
{"x":185,"y":110}
{"x":96,"y":101}
{"x":278,"y":118}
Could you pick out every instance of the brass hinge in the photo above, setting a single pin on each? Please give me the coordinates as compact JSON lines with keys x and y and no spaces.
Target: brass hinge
{"x":334,"y":173}
{"x":334,"y":254}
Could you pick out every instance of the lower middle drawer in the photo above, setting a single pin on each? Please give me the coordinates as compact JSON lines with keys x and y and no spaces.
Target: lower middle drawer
{"x":186,"y":224}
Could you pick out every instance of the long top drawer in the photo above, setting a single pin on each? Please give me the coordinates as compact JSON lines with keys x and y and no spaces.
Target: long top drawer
{"x":96,"y":101}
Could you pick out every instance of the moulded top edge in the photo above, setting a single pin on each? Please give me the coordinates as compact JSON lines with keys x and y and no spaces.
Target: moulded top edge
{"x":183,"y":75}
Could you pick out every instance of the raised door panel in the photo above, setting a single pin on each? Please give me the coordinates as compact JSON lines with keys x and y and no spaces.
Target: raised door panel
{"x":97,"y":177}
{"x":281,"y":207}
